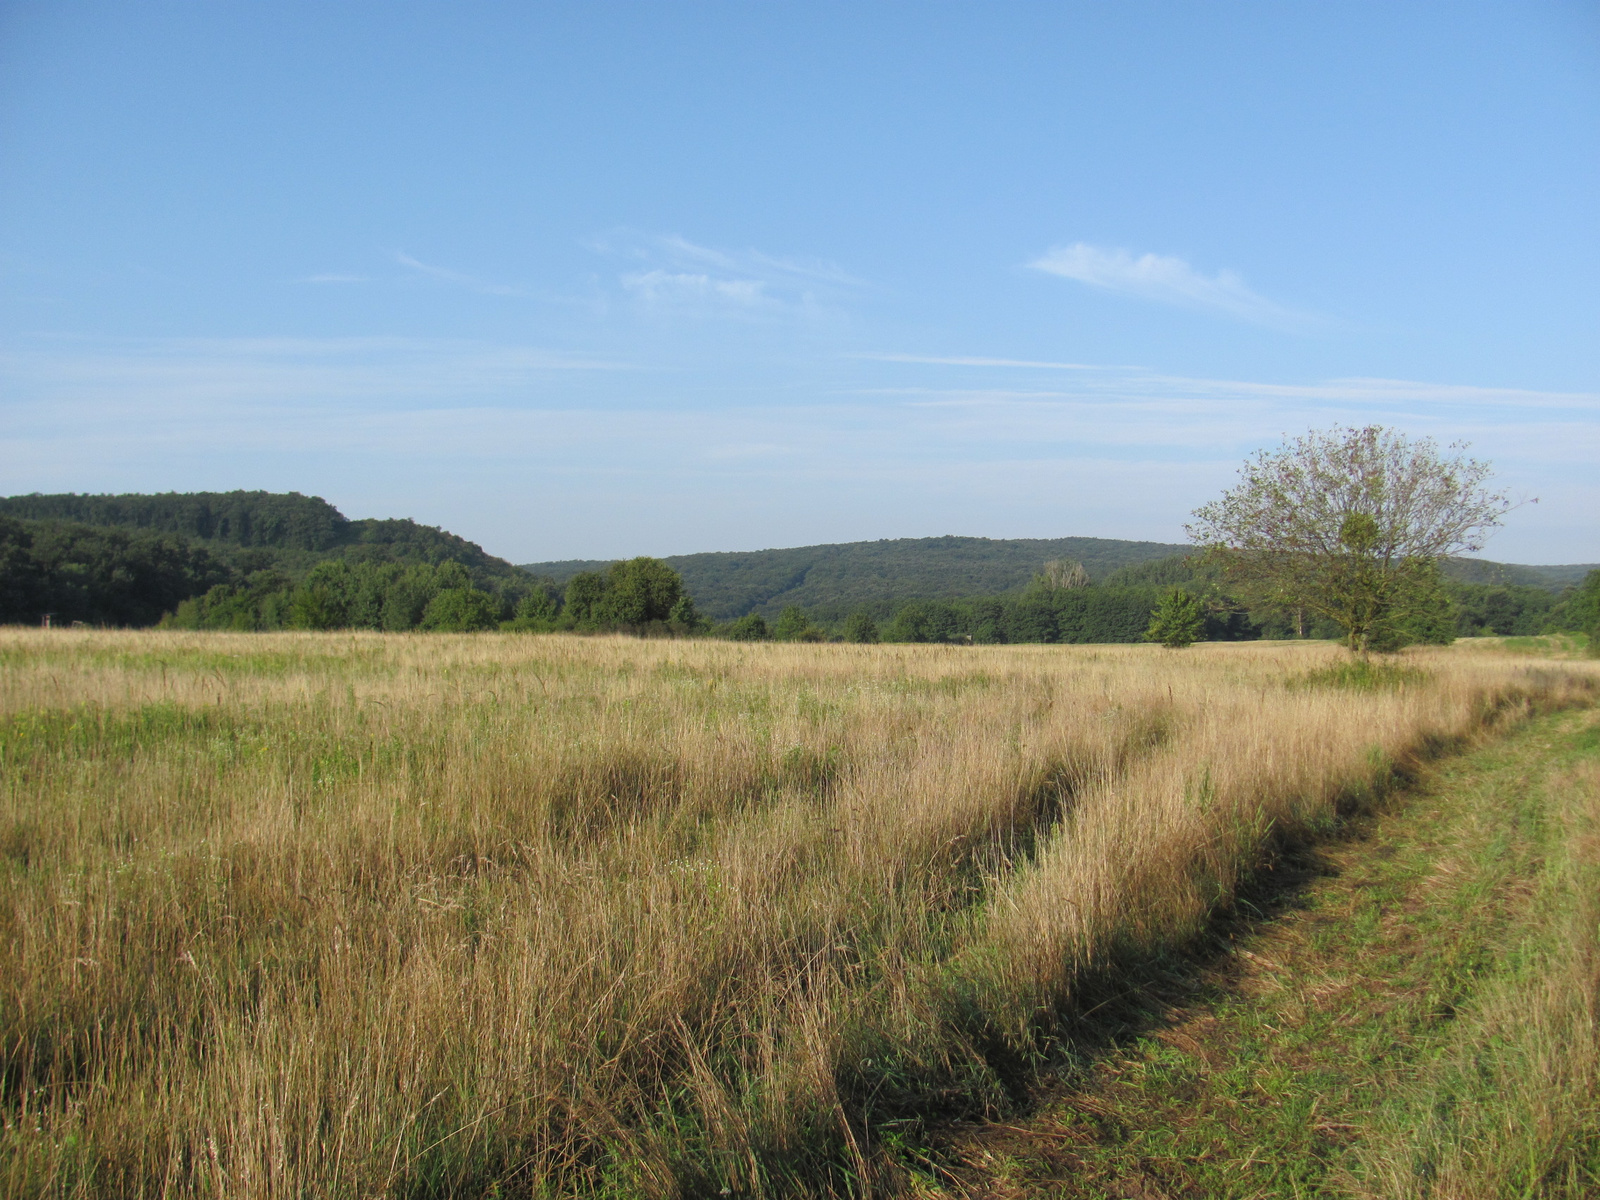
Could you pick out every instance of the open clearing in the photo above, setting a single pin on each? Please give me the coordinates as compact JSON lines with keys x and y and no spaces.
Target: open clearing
{"x":354,"y":915}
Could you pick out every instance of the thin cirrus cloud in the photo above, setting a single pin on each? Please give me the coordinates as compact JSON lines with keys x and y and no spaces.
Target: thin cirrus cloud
{"x":661,"y":288}
{"x":1166,"y":279}
{"x":970,"y":361}
{"x":456,"y":278}
{"x":671,"y":273}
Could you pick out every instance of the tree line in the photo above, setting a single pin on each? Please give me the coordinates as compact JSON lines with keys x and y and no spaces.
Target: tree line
{"x":641,"y":595}
{"x":1309,"y":545}
{"x":126,"y":577}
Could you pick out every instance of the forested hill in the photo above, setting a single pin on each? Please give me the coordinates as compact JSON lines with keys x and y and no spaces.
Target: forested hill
{"x":127,"y":560}
{"x":831,"y":580}
{"x":280,"y":529}
{"x":1179,"y":569}
{"x":287,"y":521}
{"x":1552,"y":578}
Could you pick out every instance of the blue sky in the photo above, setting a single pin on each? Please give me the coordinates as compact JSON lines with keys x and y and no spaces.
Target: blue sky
{"x":591,"y":280}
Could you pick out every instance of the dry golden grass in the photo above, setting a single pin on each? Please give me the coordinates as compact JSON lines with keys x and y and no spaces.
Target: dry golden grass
{"x":356,"y":915}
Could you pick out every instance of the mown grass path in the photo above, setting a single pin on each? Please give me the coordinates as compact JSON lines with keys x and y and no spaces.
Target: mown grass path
{"x":1340,"y":1037}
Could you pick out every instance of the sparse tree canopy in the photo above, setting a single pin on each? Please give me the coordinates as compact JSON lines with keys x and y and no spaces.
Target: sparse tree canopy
{"x":1350,"y":524}
{"x":1062,"y":574}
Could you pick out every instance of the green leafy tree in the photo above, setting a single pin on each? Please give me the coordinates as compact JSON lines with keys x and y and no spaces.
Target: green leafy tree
{"x":1579,"y":611}
{"x":1425,"y":617}
{"x":536,"y":611}
{"x":315,"y":606}
{"x":751,"y":627}
{"x":685,"y":617}
{"x":584,"y":600}
{"x":793,"y":624}
{"x":412,"y":588}
{"x":640,"y":591}
{"x":1349,"y":524}
{"x":1579,"y":608}
{"x":925,"y":621}
{"x":1178,"y":621}
{"x":461,"y":610}
{"x":860,"y":627}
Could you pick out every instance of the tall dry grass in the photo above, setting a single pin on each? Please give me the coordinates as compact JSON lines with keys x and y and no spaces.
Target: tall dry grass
{"x":371,"y":915}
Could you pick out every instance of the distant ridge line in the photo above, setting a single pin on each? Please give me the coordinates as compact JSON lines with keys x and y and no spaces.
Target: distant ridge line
{"x":831,"y":579}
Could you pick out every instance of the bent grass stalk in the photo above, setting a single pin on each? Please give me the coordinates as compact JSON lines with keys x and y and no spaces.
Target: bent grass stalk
{"x":351,"y":915}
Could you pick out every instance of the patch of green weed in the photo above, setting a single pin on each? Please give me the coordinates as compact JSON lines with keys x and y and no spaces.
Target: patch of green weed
{"x":1361,"y":675}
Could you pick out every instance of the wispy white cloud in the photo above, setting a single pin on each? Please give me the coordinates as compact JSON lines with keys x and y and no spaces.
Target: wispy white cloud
{"x":457,"y":278}
{"x":756,"y":262}
{"x":670,"y":273}
{"x":681,"y":287}
{"x":965,"y":361}
{"x":1167,"y":280}
{"x":1359,"y":391}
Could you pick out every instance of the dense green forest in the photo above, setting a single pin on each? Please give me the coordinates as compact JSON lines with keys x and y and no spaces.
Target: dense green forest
{"x":242,"y":560}
{"x":285,"y":521}
{"x":832,"y":581}
{"x":101,"y":576}
{"x":261,"y":560}
{"x":253,"y":531}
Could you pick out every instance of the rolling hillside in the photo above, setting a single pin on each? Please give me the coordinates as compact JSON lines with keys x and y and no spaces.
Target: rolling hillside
{"x":193,"y":540}
{"x":251,"y":530}
{"x":830,"y":580}
{"x":127,"y":560}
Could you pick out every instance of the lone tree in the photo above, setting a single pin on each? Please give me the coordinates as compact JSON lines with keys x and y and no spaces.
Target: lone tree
{"x":1350,"y":524}
{"x":1178,"y":621}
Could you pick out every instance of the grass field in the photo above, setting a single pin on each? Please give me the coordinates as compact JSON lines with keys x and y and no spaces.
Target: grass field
{"x":1408,"y":1009}
{"x":422,"y":915}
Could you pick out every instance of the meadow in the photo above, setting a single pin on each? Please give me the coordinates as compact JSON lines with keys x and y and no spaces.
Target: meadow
{"x":350,"y":915}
